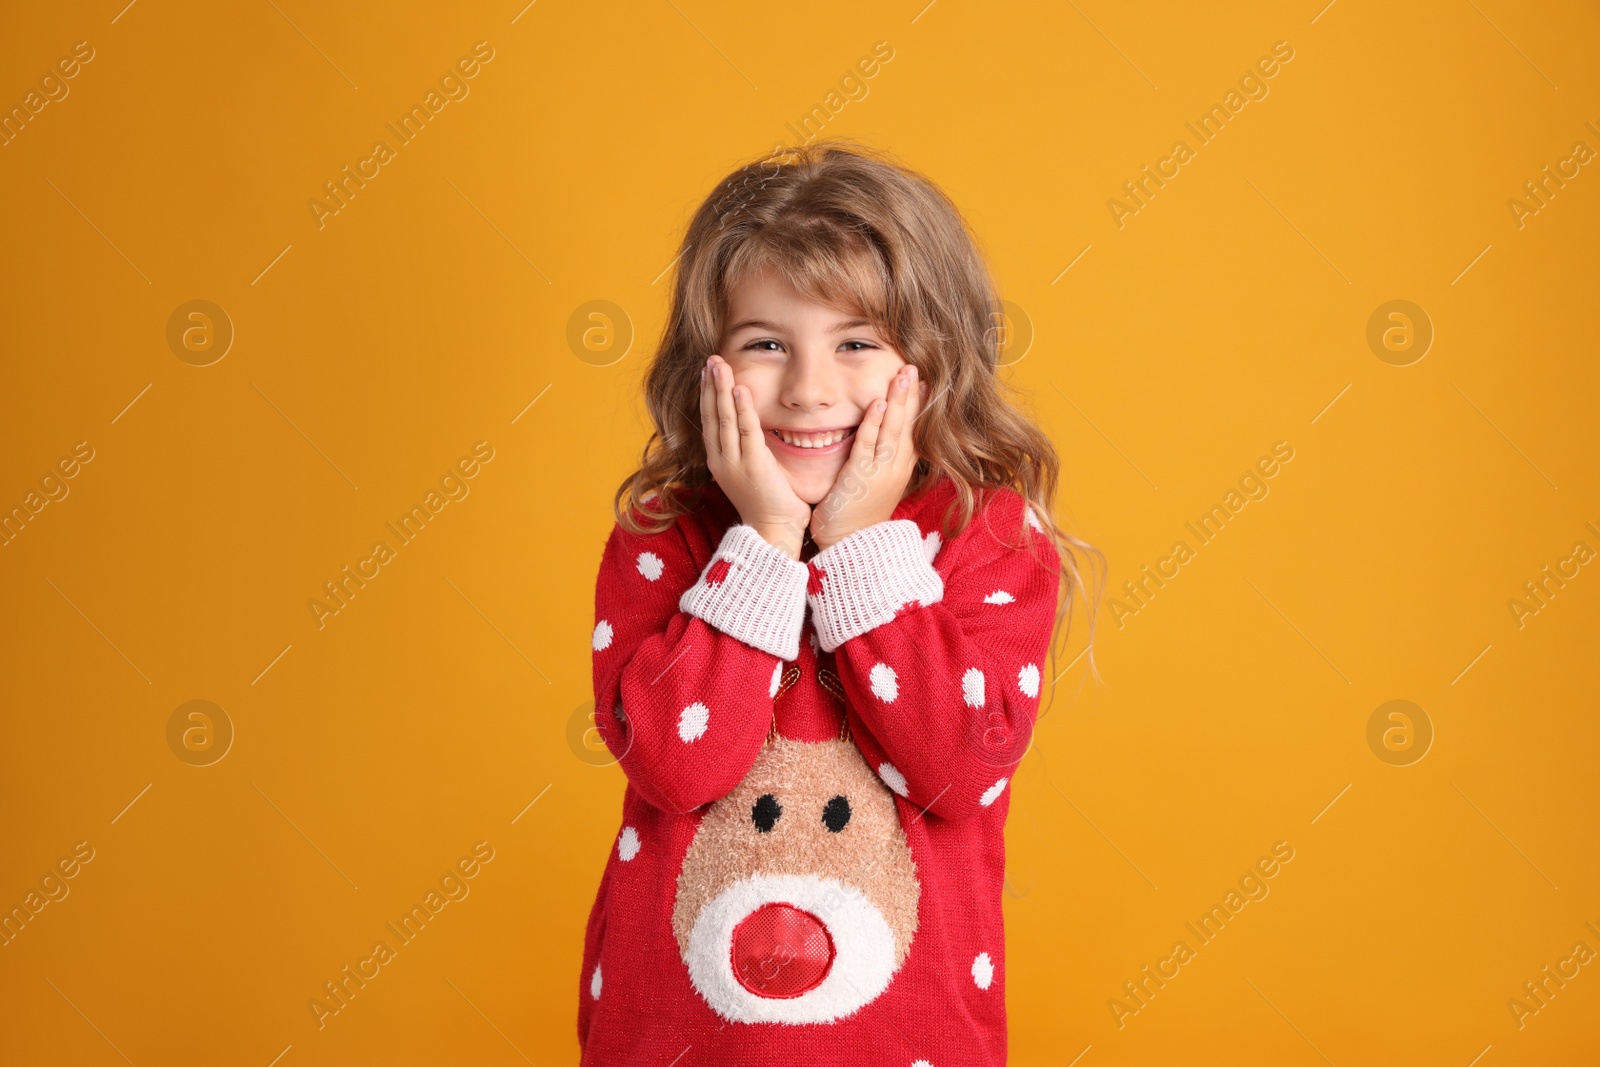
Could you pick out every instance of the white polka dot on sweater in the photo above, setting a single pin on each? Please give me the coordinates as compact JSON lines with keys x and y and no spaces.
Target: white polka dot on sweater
{"x":999,"y":596}
{"x":602,"y":636}
{"x":594,"y":983}
{"x":921,"y":1063}
{"x":972,"y":687}
{"x":1028,"y":680}
{"x":1033,"y":520}
{"x":812,"y":639}
{"x":931,"y":544}
{"x":983,"y":970}
{"x":885,"y":686}
{"x":777,"y":676}
{"x":650,"y":565}
{"x":892,"y":778}
{"x":992,"y":793}
{"x":692,"y":721}
{"x":628,"y":844}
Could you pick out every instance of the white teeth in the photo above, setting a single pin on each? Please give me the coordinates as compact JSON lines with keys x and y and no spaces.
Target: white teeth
{"x":812,"y":440}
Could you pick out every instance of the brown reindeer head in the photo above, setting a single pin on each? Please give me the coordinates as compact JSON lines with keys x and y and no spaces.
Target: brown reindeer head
{"x":797,"y":899}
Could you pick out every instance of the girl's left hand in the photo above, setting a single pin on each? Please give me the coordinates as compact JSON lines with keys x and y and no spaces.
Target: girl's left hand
{"x":881,"y":462}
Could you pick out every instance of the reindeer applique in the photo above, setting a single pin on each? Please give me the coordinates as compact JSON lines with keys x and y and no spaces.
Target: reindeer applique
{"x":797,"y":898}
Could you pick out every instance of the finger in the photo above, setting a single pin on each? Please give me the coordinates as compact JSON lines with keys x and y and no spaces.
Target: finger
{"x":894,"y":416}
{"x":727,"y":415}
{"x":750,"y":432}
{"x":867,"y":435}
{"x":916,"y":398}
{"x":708,"y":413}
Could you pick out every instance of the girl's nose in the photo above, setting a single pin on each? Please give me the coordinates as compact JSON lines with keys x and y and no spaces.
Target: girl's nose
{"x":807,"y":383}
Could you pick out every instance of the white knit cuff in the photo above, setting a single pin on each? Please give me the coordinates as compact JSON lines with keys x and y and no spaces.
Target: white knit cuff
{"x":861,"y":581}
{"x":753,"y":591}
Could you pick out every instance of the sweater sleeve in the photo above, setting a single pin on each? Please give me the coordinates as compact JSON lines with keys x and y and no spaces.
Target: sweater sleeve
{"x":687,"y":659}
{"x":942,"y":669}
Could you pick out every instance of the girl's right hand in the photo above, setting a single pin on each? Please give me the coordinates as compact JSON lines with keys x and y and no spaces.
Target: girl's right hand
{"x":743,"y":465}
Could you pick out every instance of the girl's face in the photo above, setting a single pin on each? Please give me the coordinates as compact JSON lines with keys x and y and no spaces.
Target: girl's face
{"x":812,"y":372}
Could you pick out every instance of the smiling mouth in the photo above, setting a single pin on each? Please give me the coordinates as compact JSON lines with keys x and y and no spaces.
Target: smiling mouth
{"x":811,"y":444}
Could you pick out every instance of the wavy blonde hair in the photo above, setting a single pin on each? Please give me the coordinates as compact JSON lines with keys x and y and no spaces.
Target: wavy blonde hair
{"x":852,"y":229}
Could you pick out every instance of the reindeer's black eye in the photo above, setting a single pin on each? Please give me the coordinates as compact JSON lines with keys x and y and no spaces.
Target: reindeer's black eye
{"x":836,"y":814}
{"x":766,"y":811}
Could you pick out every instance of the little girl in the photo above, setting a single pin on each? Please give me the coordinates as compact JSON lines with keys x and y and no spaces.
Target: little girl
{"x":821,"y":627}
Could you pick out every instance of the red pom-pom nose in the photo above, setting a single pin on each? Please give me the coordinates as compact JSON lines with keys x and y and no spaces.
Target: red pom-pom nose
{"x":780,"y":951}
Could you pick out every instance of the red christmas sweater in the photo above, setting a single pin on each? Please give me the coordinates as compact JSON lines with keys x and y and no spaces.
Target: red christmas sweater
{"x":810,"y":861}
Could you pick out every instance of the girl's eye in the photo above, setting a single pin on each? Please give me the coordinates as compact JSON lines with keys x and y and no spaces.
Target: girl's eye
{"x":760,"y":345}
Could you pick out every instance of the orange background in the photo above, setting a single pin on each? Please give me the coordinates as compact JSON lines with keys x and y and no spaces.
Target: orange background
{"x":372,"y":352}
